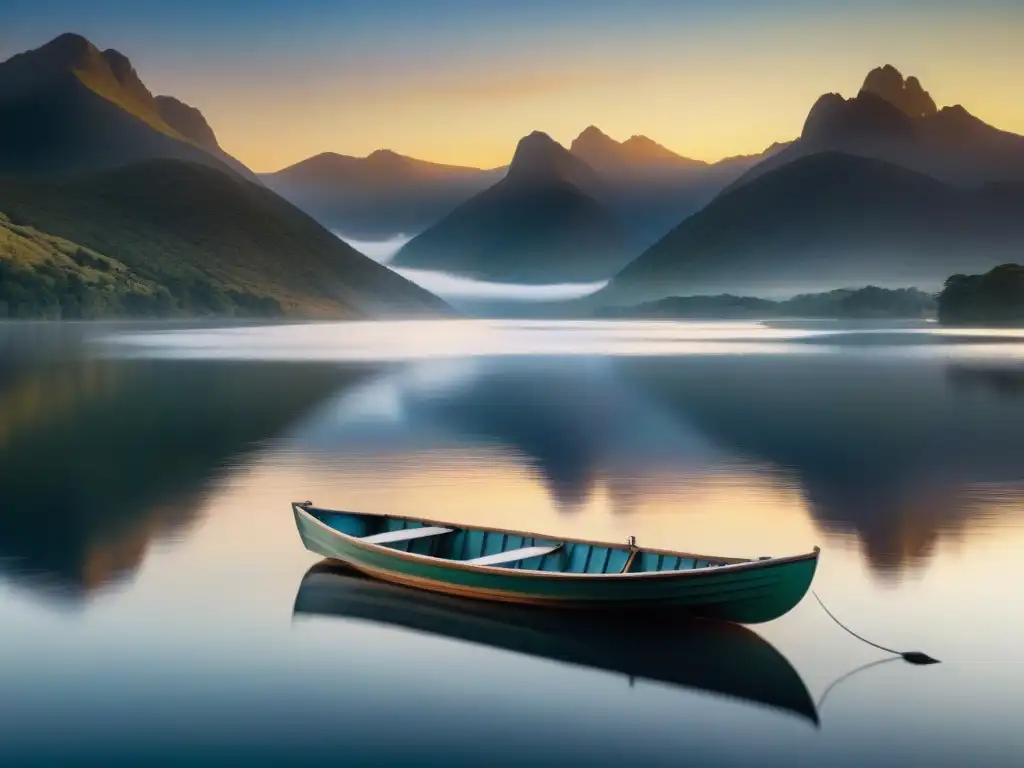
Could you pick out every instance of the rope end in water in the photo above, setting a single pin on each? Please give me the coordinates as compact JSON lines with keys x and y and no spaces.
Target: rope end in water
{"x":912,"y":657}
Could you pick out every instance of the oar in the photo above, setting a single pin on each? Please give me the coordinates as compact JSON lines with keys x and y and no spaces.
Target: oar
{"x":914,"y":657}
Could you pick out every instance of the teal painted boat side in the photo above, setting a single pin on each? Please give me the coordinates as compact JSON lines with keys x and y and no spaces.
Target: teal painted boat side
{"x":745,"y":592}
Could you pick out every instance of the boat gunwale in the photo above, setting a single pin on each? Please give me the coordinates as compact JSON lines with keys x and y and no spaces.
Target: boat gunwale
{"x":729,"y":565}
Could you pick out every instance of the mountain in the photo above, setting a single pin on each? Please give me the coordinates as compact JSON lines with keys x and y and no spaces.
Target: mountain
{"x":823,"y":221}
{"x":167,"y":237}
{"x":907,"y":95}
{"x":542,"y":223}
{"x":651,"y":187}
{"x":378,"y":196}
{"x":602,"y":152}
{"x":68,"y":106}
{"x":896,"y":120}
{"x":387,"y":194}
{"x":188,"y":121}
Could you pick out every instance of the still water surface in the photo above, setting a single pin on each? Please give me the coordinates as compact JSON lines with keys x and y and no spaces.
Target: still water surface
{"x":156,"y":604}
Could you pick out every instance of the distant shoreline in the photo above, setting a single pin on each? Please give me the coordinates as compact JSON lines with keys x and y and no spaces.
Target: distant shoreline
{"x":867,"y":303}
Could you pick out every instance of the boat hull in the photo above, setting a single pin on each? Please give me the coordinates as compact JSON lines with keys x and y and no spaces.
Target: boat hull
{"x":747,"y":593}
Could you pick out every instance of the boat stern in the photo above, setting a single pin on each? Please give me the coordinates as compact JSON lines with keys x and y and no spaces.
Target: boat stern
{"x":790,"y":580}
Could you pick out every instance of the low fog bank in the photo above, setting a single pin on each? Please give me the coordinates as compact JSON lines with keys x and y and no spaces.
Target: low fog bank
{"x":467,"y":293}
{"x":381,"y":251}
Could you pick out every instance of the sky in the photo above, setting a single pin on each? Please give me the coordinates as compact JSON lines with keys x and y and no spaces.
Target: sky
{"x":460,"y":81}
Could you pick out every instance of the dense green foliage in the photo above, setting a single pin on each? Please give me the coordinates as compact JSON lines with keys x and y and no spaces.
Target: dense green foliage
{"x":867,"y":302}
{"x":994,"y":298}
{"x":47,"y":277}
{"x":844,"y":303}
{"x":722,"y":306}
{"x":183,"y":239}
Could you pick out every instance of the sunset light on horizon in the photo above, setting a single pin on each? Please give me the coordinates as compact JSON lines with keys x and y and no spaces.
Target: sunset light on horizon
{"x":461,"y":82}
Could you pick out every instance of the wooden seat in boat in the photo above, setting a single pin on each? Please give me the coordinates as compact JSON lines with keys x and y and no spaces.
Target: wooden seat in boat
{"x":405,"y":534}
{"x":512,"y":555}
{"x":440,"y":556}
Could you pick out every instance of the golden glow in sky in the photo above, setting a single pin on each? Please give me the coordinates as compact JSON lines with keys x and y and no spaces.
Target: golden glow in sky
{"x":739,"y":106}
{"x":461,"y":83}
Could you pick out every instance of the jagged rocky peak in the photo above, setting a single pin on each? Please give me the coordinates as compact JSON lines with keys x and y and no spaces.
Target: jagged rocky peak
{"x":123,"y":71}
{"x":539,"y":158}
{"x":835,"y":119}
{"x":109,"y":73}
{"x":904,"y":93}
{"x":187,"y":120}
{"x":63,"y":55}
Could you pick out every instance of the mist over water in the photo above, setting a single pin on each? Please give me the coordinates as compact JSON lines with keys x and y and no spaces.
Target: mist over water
{"x":381,"y":251}
{"x":449,"y":286}
{"x":456,"y":287}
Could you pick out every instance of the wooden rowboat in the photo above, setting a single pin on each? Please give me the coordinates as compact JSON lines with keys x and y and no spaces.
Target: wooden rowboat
{"x":517,"y":567}
{"x":713,"y":657}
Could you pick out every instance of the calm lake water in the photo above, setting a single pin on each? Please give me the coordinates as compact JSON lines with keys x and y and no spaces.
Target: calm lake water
{"x":156,"y":604}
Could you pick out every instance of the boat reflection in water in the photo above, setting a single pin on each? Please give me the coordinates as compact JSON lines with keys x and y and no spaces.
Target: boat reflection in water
{"x":716,"y":657}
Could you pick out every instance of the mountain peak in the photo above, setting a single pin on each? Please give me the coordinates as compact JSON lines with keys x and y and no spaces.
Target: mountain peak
{"x":956,"y":123}
{"x":869,"y":117}
{"x":601,"y":151}
{"x":595,"y":146}
{"x":593,"y":136}
{"x":536,"y":150}
{"x":61,"y":56}
{"x":539,"y":158}
{"x":126,"y":76}
{"x":68,"y":46}
{"x":543,"y":222}
{"x":905,"y":94}
{"x":592,"y":131}
{"x":385,"y":156}
{"x":121,"y":67}
{"x":94,"y":111}
{"x":823,"y":111}
{"x":537,"y":139}
{"x":642,"y":149}
{"x":186,"y":120}
{"x":109,"y":74}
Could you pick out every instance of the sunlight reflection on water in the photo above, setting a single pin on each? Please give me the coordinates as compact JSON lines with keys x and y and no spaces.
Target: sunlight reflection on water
{"x":462,"y":338}
{"x":158,"y":494}
{"x":414,"y":340}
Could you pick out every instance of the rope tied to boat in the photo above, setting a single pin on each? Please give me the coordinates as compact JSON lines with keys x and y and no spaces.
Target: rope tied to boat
{"x":914,"y":657}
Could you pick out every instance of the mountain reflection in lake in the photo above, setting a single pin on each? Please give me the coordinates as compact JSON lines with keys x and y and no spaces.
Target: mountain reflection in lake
{"x":149,"y":565}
